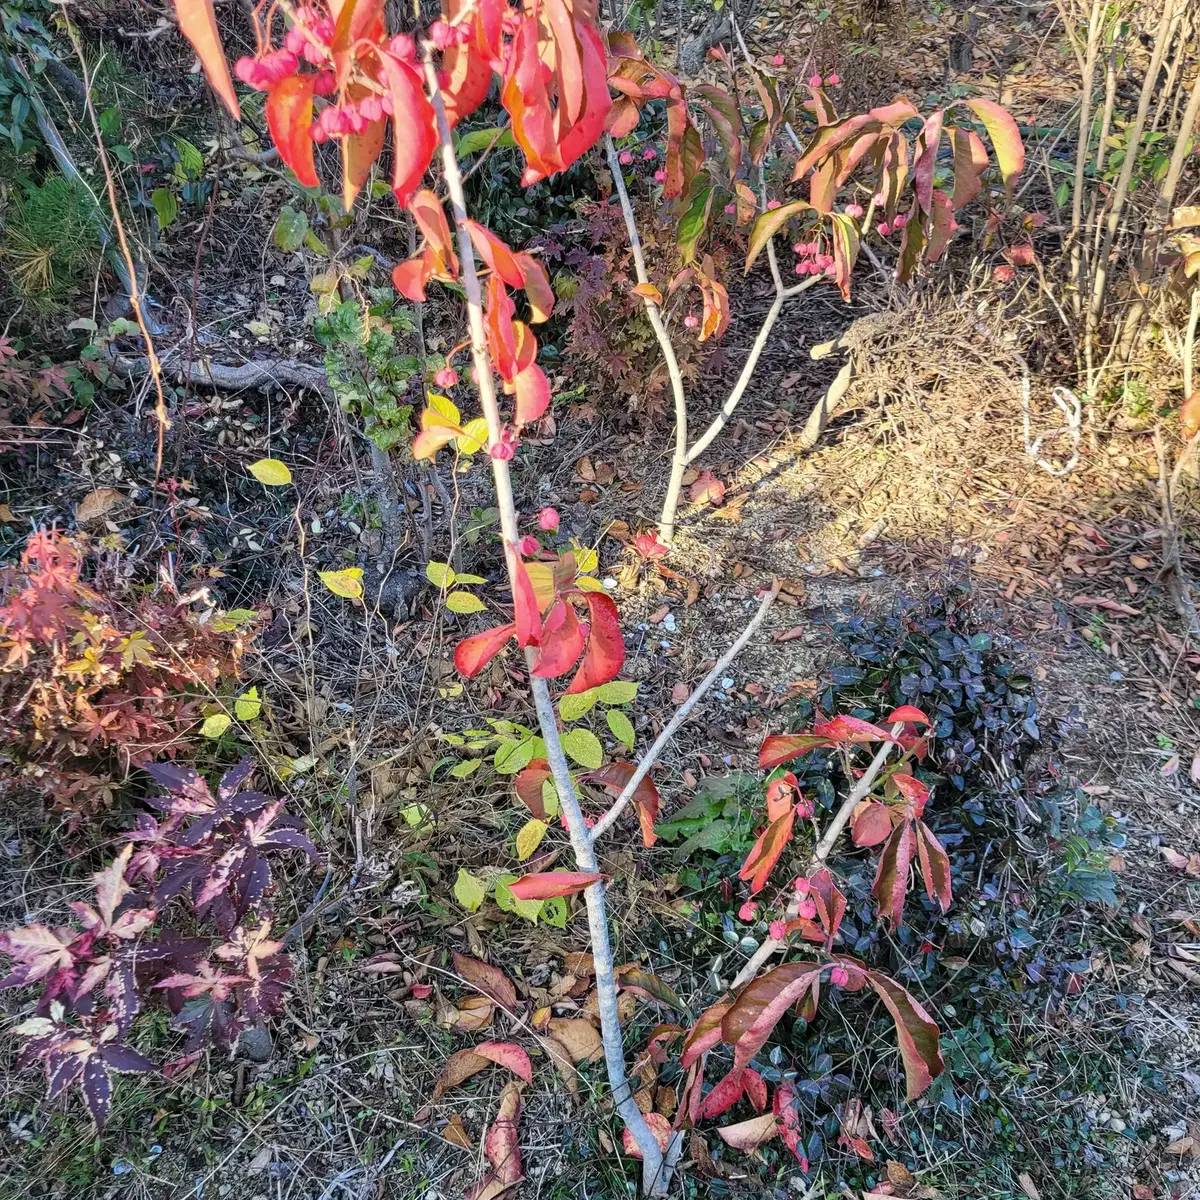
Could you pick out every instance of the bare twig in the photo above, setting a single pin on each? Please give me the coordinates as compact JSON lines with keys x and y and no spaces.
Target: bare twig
{"x":682,"y":713}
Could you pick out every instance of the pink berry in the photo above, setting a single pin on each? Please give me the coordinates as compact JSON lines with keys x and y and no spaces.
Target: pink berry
{"x":804,"y":808}
{"x":731,"y":210}
{"x":660,"y":176}
{"x":506,"y":447}
{"x":801,"y":268}
{"x":899,"y":221}
{"x":402,"y":46}
{"x":814,"y":81}
{"x":833,"y":80}
{"x":625,"y":157}
{"x":294,"y":40}
{"x":884,"y":229}
{"x":773,"y":204}
{"x":447,"y":377}
{"x":442,"y":35}
{"x":325,"y":84}
{"x":839,"y":976}
{"x":778,"y":60}
{"x":463,"y":32}
{"x":528,"y":546}
{"x":778,"y":930}
{"x":548,"y":519}
{"x":649,"y":154}
{"x":691,"y":320}
{"x":830,"y":269}
{"x":747,"y":911}
{"x":802,"y":885}
{"x":314,"y":54}
{"x":806,"y":909}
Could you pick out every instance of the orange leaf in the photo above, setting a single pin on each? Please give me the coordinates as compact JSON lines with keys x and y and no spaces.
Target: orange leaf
{"x":648,"y":291}
{"x":411,"y":276}
{"x":430,"y":217}
{"x":749,"y":1135}
{"x":537,"y":287}
{"x":490,"y":981}
{"x":359,"y":152}
{"x":546,"y":884}
{"x":614,"y":778}
{"x":198,"y":23}
{"x":533,"y":393}
{"x":765,"y":854}
{"x":472,"y":654}
{"x":528,"y":786}
{"x":496,"y":253}
{"x":289,"y":116}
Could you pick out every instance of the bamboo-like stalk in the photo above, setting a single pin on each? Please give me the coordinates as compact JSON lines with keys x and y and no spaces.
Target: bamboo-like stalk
{"x":655,"y":1177}
{"x":1094,"y":37}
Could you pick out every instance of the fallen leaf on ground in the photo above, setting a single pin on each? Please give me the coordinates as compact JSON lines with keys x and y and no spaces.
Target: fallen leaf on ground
{"x":1028,"y":1186}
{"x":707,"y":489}
{"x":1188,"y":863}
{"x":489,"y":980}
{"x":578,"y":1037}
{"x":659,"y":1126}
{"x":456,"y":1133}
{"x":97,"y":504}
{"x":749,"y":1135}
{"x":679,"y":694}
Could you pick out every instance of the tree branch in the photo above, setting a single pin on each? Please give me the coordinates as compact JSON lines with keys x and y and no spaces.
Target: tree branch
{"x":682,"y":713}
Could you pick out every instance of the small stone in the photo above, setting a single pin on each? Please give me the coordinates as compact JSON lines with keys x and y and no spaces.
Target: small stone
{"x":1117,"y":1125}
{"x":255,"y":1044}
{"x":727,"y":683}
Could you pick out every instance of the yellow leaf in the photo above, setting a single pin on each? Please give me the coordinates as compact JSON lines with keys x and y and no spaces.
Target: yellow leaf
{"x":529,"y":837}
{"x":440,"y":574}
{"x":248,"y":705}
{"x":541,"y":575}
{"x":648,"y":291}
{"x":468,"y":890}
{"x":346,"y":583}
{"x":586,"y":583}
{"x":586,"y":560}
{"x":270,"y":471}
{"x":464,"y":602}
{"x":474,"y":436}
{"x":215,"y":725}
{"x":446,"y":407}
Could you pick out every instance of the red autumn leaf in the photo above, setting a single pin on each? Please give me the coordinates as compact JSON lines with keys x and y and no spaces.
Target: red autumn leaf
{"x":935,"y":866}
{"x":913,"y":790}
{"x":916,"y":1033}
{"x":970,"y":162}
{"x":359,"y":152}
{"x":502,"y":1145}
{"x":354,"y":19}
{"x":1005,"y":138}
{"x":787,"y":1114}
{"x":525,"y":97}
{"x":705,"y":1034}
{"x":761,"y":1004}
{"x":533,"y":394}
{"x":430,"y":217}
{"x":496,"y":253}
{"x":707,"y":489}
{"x":544,"y":885}
{"x":502,"y":337}
{"x":871,"y":823}
{"x":851,"y":730}
{"x":830,"y":902}
{"x":605,"y":653}
{"x":468,"y":66}
{"x":465,"y":1063}
{"x":537,"y":287}
{"x":414,"y":131}
{"x":614,"y":777}
{"x":756,"y":1088}
{"x":527,"y":619}
{"x":289,"y":116}
{"x":926,"y":160}
{"x":198,"y":23}
{"x":561,"y":644}
{"x":472,"y":654}
{"x":411,"y":276}
{"x":907,"y":714}
{"x":659,"y":1126}
{"x":583,"y":133}
{"x":490,"y":981}
{"x":782,"y":748}
{"x":1021,"y":254}
{"x":528,"y":786}
{"x":765,"y":854}
{"x":891,"y":876}
{"x":749,"y":1135}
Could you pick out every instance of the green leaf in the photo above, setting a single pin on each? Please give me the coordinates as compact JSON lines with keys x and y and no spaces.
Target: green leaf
{"x":290,"y":229}
{"x":554,"y":912}
{"x":315,"y":244}
{"x":584,"y":747}
{"x":165,"y":205}
{"x":416,"y":815}
{"x":572,"y":707}
{"x":440,"y":574}
{"x":769,"y":224}
{"x":247,"y":706}
{"x":619,"y":691}
{"x":215,"y":725}
{"x":235,"y":618}
{"x":468,"y":890}
{"x":550,"y":798}
{"x":511,"y":756}
{"x":693,"y":223}
{"x":621,"y":726}
{"x":529,"y":837}
{"x":464,"y":602}
{"x":122,"y":153}
{"x":529,"y":909}
{"x":468,"y":766}
{"x":481,"y":139}
{"x":190,"y":159}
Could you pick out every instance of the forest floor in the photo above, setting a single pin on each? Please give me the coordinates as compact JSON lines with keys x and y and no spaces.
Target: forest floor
{"x":1073,"y":1048}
